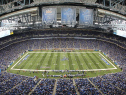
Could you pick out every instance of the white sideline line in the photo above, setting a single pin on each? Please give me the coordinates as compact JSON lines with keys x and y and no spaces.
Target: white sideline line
{"x":64,"y":70}
{"x":108,"y":60}
{"x":63,"y":52}
{"x":19,"y":60}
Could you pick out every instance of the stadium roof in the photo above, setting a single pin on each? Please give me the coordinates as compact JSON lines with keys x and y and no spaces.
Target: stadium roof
{"x":27,"y":13}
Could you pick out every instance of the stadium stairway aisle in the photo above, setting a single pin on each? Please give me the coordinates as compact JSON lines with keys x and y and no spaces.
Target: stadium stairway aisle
{"x":75,"y":87}
{"x":95,"y":86}
{"x":54,"y":90}
{"x":34,"y":87}
{"x":14,"y":86}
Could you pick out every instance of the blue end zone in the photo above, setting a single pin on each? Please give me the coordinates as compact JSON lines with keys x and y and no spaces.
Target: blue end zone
{"x":105,"y":61}
{"x":26,"y":57}
{"x":23,"y":59}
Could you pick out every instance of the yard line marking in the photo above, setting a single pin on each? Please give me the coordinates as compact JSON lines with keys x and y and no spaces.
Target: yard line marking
{"x":88,"y":61}
{"x":59,"y":60}
{"x":98,"y":63}
{"x":68,"y":62}
{"x":79,"y":59}
{"x":108,"y":60}
{"x":51,"y":62}
{"x":19,"y":60}
{"x":75,"y":60}
{"x":84,"y":60}
{"x":55,"y":63}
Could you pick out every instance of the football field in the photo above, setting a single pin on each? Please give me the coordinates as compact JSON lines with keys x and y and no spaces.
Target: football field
{"x":49,"y":61}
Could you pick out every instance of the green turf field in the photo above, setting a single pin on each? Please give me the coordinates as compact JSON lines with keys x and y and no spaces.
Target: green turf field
{"x":40,"y":61}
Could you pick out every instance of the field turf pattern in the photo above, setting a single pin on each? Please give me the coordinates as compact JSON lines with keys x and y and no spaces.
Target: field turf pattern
{"x":47,"y":60}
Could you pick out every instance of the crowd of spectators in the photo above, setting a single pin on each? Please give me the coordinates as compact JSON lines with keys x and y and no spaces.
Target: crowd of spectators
{"x":24,"y":88}
{"x":9,"y":82}
{"x":111,"y":84}
{"x":85,"y":87}
{"x":45,"y":87}
{"x":117,"y":79}
{"x":112,"y":46}
{"x":5,"y":76}
{"x":65,"y":87}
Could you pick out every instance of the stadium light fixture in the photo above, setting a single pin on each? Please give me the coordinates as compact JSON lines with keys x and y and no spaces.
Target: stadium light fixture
{"x":96,"y":22}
